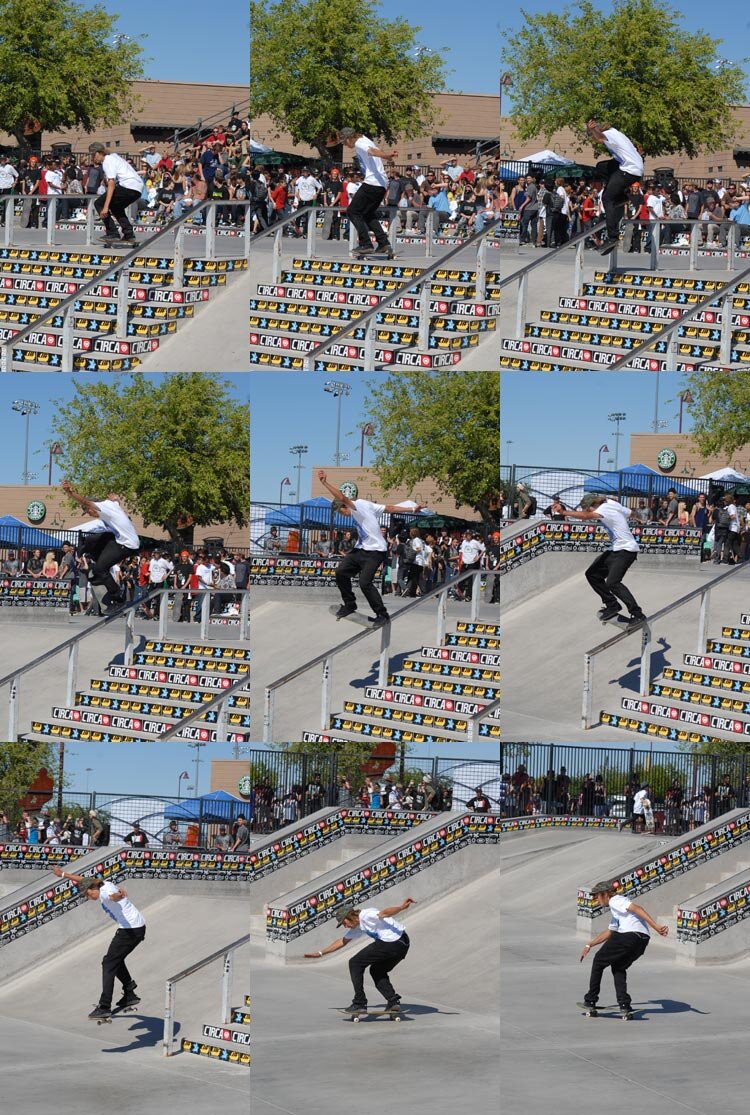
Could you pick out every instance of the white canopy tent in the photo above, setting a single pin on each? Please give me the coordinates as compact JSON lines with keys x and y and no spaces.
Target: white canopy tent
{"x":729,"y":474}
{"x":548,"y":156}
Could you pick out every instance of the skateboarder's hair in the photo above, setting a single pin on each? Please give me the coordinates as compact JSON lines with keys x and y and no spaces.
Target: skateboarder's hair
{"x":89,"y":884}
{"x":601,"y":888}
{"x":591,"y":499}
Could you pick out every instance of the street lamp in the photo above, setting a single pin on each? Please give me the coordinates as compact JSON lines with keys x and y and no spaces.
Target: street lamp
{"x":197,"y":748}
{"x":55,"y":450}
{"x":286,"y":481}
{"x":685,"y":398}
{"x":298,"y":450}
{"x":339,"y":390}
{"x":602,"y":449}
{"x":617,"y":416}
{"x":25,"y":407}
{"x":368,"y":430}
{"x":184,"y":774}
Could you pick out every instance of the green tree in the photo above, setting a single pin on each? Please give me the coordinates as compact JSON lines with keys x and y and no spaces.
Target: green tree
{"x":439,"y":426}
{"x":62,"y":67}
{"x":634,"y":68}
{"x":19,"y":764}
{"x":349,"y":756}
{"x":720,"y":411}
{"x":316,"y":65}
{"x":177,"y":448}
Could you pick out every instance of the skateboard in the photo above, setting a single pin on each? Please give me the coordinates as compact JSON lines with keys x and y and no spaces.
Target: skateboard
{"x":607,"y":1012}
{"x":622,"y":622}
{"x":648,"y":816}
{"x":354,"y":617}
{"x":115,"y":1011}
{"x":370,"y":1012}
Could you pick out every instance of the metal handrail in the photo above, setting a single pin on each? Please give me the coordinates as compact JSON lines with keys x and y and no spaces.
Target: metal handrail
{"x":227,"y":953}
{"x":645,"y":630}
{"x":121,"y":265}
{"x":420,"y":279}
{"x":129,"y":611}
{"x":326,"y":658}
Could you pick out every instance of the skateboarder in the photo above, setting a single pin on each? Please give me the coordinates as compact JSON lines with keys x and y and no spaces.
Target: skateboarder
{"x":124,"y":186}
{"x":388,"y":948}
{"x":369,"y":553}
{"x":620,"y":172}
{"x":624,"y":940}
{"x":363,"y":207}
{"x":131,"y":929}
{"x":108,"y":540}
{"x":606,"y":573}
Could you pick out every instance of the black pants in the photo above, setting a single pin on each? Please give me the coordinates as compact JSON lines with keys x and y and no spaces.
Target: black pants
{"x":121,"y":199}
{"x":101,"y":546}
{"x":362,"y":213}
{"x":365,"y":563}
{"x":605,"y":577}
{"x":529,"y":226}
{"x":113,"y":962}
{"x":381,"y":957}
{"x":615,"y":193}
{"x":618,"y":952}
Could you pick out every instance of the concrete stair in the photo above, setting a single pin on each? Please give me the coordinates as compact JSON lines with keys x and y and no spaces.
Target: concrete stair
{"x":33,"y":281}
{"x":314,"y":298}
{"x":145,"y":700}
{"x":617,"y":312}
{"x":707,"y":707}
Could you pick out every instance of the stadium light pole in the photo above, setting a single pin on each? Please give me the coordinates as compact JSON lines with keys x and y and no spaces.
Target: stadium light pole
{"x":298,"y":450}
{"x":339,"y":390}
{"x":25,"y":407}
{"x":617,"y":416}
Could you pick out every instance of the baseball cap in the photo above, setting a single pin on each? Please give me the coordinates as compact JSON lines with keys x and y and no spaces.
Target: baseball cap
{"x":344,"y":913}
{"x":346,"y":133}
{"x":96,"y":146}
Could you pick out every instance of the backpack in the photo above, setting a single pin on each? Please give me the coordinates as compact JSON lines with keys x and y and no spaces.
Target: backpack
{"x":258,"y":190}
{"x":558,"y":202}
{"x":410,"y":553}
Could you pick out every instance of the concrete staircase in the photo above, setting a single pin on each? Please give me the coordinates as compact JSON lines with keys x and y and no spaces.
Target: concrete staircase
{"x":233,"y":1039}
{"x":431,"y":697}
{"x":616,"y":312}
{"x":166,"y":682}
{"x":33,"y":281}
{"x":707,"y":702}
{"x":314,"y":298}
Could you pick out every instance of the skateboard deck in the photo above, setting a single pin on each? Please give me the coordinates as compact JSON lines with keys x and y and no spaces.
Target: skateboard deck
{"x":607,"y":1012}
{"x":622,"y":622}
{"x":114,"y":1012}
{"x":369,"y":1012}
{"x":353,"y":617}
{"x":648,"y":816}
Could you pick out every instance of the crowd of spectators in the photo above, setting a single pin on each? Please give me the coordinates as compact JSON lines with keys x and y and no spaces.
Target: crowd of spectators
{"x":79,"y":831}
{"x":189,"y":573}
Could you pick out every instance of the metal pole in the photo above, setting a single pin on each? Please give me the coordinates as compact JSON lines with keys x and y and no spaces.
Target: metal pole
{"x":121,"y":329}
{"x":368,"y":354}
{"x":429,"y":248}
{"x":168,"y":1020}
{"x":476,"y":595}
{"x":127,"y":657}
{"x":645,"y":659}
{"x":51,"y":218}
{"x":210,"y":214}
{"x":393,"y":233}
{"x":731,"y":231}
{"x":703,"y":622}
{"x":268,"y":715}
{"x":13,"y":700}
{"x":72,"y":671}
{"x":521,"y":301}
{"x":66,"y":359}
{"x":163,"y":607}
{"x":26,"y":449}
{"x":424,"y":318}
{"x":245,"y":615}
{"x":442,"y":611}
{"x":226,"y":988}
{"x":178,"y":271}
{"x":655,"y":239}
{"x":694,"y":235}
{"x":205,"y":613}
{"x":10,"y":214}
{"x":588,"y":686}
{"x":325,"y":693}
{"x":725,"y":351}
{"x":90,"y":211}
{"x":248,"y":232}
{"x":578,"y":271}
{"x":312,"y":231}
{"x":481,"y":282}
{"x":384,"y":663}
{"x":338,"y":427}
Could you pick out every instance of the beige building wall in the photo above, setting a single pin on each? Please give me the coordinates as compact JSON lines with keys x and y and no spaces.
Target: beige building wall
{"x":15,"y":498}
{"x":719,"y":163}
{"x":369,"y":488}
{"x":226,"y":773}
{"x":644,"y":449}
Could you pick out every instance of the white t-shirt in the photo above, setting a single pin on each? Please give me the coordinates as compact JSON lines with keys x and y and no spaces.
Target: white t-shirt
{"x":374,"y":171}
{"x":158,"y":568}
{"x":638,"y":801}
{"x":123,"y":912}
{"x":54,"y":180}
{"x":655,"y":204}
{"x":307,"y":187}
{"x":351,"y":189}
{"x":205,"y":575}
{"x":614,"y":519}
{"x":734,"y":522}
{"x":622,"y":921}
{"x":114,"y":166}
{"x":623,"y":150}
{"x":471,"y":551}
{"x":365,"y":515}
{"x":115,"y":519}
{"x":370,"y":925}
{"x":8,"y":175}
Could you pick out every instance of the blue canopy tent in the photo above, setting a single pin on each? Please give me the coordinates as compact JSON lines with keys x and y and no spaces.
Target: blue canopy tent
{"x":216,"y":808}
{"x":312,"y":514}
{"x":637,"y":480}
{"x":15,"y":533}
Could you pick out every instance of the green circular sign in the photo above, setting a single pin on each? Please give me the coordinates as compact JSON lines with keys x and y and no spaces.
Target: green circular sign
{"x":36,"y":511}
{"x":666,"y":459}
{"x":245,"y":786}
{"x":349,"y":489}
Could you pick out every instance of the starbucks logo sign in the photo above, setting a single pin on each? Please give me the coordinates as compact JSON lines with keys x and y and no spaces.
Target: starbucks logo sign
{"x":36,"y":511}
{"x":245,"y":786}
{"x":666,"y":459}
{"x":349,"y":489}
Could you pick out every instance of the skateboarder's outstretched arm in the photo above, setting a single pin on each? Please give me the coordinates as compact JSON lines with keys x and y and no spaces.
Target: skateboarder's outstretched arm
{"x":333,"y":947}
{"x":558,"y":509}
{"x":391,"y":911}
{"x":602,"y":937}
{"x":88,"y":505}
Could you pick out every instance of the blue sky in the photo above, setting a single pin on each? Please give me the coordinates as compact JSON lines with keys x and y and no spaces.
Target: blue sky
{"x":155,"y":768}
{"x":560,"y":419}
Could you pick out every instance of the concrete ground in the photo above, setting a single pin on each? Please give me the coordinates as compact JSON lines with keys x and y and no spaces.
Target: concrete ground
{"x":292,"y":625}
{"x":686,"y":1050}
{"x":54,"y":1055}
{"x":25,"y":634}
{"x":442,"y":1057}
{"x":543,"y":691}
